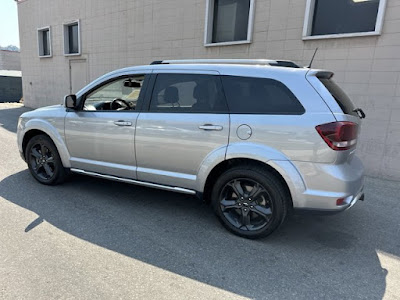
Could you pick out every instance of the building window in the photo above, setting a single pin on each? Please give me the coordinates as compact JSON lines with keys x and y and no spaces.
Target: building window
{"x":72,"y":41}
{"x":228,"y":22}
{"x":44,"y":42}
{"x":343,"y":18}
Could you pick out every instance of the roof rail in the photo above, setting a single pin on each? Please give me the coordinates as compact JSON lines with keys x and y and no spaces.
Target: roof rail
{"x":269,"y":62}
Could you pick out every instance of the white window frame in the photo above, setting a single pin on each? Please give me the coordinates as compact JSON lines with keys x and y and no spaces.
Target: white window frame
{"x":208,"y":31}
{"x":66,"y":38}
{"x":40,"y":41}
{"x":309,"y":15}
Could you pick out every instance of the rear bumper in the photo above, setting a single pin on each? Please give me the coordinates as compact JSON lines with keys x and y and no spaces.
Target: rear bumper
{"x":326,"y":183}
{"x":346,"y":206}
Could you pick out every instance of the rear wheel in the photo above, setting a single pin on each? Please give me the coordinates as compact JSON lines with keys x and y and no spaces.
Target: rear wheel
{"x":251,"y":203}
{"x":43,"y":160}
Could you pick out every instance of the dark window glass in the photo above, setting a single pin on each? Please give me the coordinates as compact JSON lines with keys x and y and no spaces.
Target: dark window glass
{"x":45,"y":42}
{"x":73,"y":41}
{"x":344,"y":16}
{"x":188,"y":93}
{"x":259,"y":96}
{"x":340,"y":96}
{"x":231,"y":18}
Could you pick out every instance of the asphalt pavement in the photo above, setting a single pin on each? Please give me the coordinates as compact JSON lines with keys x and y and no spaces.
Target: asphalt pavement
{"x":96,"y":239}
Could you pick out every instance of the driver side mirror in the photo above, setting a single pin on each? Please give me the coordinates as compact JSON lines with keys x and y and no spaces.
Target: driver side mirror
{"x":70,"y":101}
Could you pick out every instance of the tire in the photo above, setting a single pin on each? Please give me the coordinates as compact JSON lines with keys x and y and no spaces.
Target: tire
{"x":44,"y":161}
{"x":261,"y":207}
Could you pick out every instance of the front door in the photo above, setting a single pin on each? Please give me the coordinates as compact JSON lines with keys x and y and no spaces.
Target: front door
{"x":100,"y":135}
{"x":187,"y":121}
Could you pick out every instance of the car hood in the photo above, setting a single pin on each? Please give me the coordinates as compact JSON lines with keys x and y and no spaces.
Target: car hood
{"x":53,"y":110}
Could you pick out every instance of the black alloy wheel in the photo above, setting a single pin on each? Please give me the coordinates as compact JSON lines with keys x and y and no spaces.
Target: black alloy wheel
{"x":246,"y":204}
{"x":44,"y":161}
{"x":249,"y":201}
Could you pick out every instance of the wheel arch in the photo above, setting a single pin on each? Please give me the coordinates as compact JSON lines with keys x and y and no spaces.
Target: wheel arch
{"x":33,"y":129}
{"x":28,"y":136}
{"x":292,"y":183}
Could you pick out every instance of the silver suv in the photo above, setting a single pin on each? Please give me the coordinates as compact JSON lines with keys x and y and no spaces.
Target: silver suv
{"x":255,"y":138}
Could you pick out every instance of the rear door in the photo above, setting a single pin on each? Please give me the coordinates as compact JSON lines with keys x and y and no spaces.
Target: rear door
{"x":187,"y":120}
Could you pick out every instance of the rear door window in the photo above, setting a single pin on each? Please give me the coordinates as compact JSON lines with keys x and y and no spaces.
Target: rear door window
{"x":340,"y":96}
{"x":188,"y":93}
{"x":250,"y":95}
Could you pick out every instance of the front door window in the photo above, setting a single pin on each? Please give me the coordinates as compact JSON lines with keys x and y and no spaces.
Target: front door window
{"x":121,"y":94}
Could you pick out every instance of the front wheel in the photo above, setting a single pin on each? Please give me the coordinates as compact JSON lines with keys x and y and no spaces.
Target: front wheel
{"x":43,"y":160}
{"x":251,"y":203}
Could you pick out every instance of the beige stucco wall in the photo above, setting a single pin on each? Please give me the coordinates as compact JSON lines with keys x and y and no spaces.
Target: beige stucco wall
{"x":119,"y":33}
{"x":10,"y":60}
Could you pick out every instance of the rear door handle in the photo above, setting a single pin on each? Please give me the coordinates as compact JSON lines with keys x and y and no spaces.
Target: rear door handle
{"x":123,"y":123}
{"x":209,"y":127}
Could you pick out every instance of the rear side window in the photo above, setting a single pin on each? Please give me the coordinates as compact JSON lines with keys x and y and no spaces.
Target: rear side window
{"x":188,"y":93}
{"x":260,"y":96}
{"x":340,"y":96}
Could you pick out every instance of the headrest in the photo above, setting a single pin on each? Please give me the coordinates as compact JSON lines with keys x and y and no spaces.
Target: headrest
{"x":171,"y":95}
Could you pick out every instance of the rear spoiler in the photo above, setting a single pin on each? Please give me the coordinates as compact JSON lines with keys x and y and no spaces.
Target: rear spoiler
{"x":320,"y":73}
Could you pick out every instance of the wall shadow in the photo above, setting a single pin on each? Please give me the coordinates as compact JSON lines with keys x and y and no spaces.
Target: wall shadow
{"x":9,"y":116}
{"x":309,"y":257}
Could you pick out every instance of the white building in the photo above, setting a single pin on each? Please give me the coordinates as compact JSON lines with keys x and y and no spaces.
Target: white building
{"x":66,"y":44}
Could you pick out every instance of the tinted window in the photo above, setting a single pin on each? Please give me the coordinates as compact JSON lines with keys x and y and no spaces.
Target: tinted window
{"x":344,"y":16}
{"x":259,"y":95}
{"x":340,"y":96}
{"x":187,"y":93}
{"x":73,"y":38}
{"x":231,"y":18}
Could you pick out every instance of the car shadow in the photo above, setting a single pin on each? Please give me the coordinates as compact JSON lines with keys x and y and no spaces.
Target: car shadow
{"x":309,"y":257}
{"x":9,"y":116}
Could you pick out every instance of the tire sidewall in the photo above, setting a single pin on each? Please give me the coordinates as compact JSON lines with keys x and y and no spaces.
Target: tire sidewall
{"x":269,"y":183}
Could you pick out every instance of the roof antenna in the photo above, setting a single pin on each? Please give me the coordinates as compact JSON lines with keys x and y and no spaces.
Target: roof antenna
{"x":312,"y":59}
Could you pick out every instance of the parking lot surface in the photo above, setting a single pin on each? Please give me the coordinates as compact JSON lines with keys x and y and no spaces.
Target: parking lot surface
{"x":91,"y":239}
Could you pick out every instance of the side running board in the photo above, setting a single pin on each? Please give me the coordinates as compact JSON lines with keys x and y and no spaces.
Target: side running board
{"x":136,"y":182}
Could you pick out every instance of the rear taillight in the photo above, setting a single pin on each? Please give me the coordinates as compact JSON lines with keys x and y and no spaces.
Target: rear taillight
{"x":339,"y":135}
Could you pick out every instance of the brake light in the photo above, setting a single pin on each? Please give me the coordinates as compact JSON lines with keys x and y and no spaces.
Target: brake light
{"x":339,"y":135}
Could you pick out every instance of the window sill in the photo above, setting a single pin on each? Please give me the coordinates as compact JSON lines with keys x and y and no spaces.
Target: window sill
{"x":227,"y":43}
{"x":72,"y":54}
{"x":45,"y":56}
{"x":340,"y":35}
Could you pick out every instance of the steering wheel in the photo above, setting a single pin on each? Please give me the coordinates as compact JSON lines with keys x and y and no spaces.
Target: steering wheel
{"x":119,"y":104}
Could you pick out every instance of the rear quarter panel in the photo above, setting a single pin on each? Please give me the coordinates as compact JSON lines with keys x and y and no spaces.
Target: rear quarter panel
{"x":293,"y":136}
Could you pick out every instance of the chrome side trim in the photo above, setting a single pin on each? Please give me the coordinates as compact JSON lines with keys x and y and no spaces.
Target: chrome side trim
{"x":132,"y":181}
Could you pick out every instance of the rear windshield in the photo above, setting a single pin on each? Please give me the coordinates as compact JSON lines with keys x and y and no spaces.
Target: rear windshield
{"x":340,"y":96}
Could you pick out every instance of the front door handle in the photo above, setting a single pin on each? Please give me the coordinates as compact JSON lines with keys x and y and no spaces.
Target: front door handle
{"x":209,"y":127}
{"x":123,"y":123}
